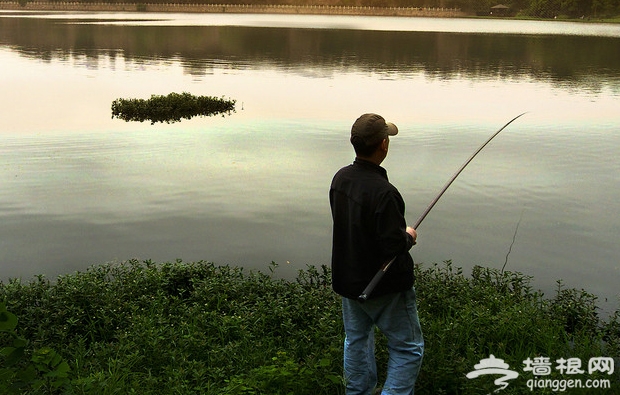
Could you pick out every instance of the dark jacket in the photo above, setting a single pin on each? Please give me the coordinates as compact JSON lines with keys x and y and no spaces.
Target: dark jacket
{"x":369,"y":229}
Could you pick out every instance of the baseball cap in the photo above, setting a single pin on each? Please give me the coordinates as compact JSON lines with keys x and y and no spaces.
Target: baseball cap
{"x":372,"y":129}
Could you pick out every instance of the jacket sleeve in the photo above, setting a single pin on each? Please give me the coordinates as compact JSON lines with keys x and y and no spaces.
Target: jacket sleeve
{"x":391,"y":226}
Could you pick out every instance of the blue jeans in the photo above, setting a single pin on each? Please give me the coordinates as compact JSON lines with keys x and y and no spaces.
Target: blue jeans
{"x":396,"y":315}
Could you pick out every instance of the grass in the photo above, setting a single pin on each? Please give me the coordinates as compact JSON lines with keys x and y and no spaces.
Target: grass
{"x":200,"y":328}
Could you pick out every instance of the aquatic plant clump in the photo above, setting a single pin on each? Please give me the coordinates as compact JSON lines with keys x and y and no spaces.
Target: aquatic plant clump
{"x":170,"y":108}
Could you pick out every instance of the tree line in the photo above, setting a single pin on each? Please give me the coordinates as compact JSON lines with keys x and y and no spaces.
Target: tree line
{"x":582,"y":9}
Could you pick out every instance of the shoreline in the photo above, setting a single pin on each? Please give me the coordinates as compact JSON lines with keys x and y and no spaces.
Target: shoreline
{"x":235,"y":9}
{"x":285,"y":9}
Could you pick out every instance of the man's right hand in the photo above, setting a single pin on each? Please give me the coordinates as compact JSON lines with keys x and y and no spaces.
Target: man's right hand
{"x":413,"y":233}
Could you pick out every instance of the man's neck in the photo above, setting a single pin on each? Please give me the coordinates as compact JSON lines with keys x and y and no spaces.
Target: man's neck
{"x":376,"y":159}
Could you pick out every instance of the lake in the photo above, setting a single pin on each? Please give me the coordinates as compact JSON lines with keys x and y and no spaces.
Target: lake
{"x":80,"y":188}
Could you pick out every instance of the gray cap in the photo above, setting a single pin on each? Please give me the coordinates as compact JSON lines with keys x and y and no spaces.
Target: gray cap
{"x":372,"y":129}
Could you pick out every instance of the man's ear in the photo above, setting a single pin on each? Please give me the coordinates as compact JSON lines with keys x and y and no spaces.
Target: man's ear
{"x":385,"y":144}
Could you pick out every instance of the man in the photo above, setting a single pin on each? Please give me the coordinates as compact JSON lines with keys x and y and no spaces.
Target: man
{"x":369,"y":229}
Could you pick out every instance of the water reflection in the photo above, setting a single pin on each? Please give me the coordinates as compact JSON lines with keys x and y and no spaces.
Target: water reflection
{"x":566,"y":60}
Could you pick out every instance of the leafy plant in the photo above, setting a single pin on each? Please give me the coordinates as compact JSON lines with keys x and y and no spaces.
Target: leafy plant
{"x":171,"y":108}
{"x":284,"y":376}
{"x":45,"y":370}
{"x":201,"y":328}
{"x":577,"y":309}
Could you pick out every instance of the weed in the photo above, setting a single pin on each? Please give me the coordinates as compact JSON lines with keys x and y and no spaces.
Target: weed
{"x":200,"y":328}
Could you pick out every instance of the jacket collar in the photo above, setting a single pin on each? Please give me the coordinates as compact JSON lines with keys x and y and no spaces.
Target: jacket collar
{"x":371,"y":166}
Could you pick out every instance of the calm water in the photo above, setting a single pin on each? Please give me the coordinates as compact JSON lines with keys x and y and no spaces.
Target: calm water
{"x":80,"y":188}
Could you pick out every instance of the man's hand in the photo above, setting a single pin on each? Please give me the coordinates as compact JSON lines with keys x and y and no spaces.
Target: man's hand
{"x":413,"y":233}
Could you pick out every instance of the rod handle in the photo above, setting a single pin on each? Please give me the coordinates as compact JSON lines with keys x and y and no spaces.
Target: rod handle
{"x":375,"y":280}
{"x":371,"y":285}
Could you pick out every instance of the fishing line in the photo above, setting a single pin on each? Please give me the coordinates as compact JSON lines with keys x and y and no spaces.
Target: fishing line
{"x":514,"y":237}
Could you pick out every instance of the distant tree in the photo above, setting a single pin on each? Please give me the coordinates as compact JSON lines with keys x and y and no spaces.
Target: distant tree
{"x":518,"y":6}
{"x":608,"y":8}
{"x":544,"y":8}
{"x":481,"y":6}
{"x":575,"y":8}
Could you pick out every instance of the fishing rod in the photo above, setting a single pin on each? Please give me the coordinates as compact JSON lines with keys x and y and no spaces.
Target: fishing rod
{"x":375,"y":280}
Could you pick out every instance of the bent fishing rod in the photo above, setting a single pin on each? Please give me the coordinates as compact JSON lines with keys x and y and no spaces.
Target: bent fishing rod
{"x":375,"y":280}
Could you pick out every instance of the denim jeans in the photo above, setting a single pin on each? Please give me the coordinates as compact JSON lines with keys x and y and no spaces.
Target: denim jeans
{"x":396,"y":315}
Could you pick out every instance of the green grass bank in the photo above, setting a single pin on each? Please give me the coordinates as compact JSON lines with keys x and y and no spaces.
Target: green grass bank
{"x":199,"y":328}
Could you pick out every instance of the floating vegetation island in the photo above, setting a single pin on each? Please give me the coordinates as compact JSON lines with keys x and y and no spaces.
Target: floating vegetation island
{"x":171,"y":108}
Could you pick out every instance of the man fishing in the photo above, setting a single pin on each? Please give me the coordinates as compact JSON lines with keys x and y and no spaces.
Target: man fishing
{"x":369,"y":230}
